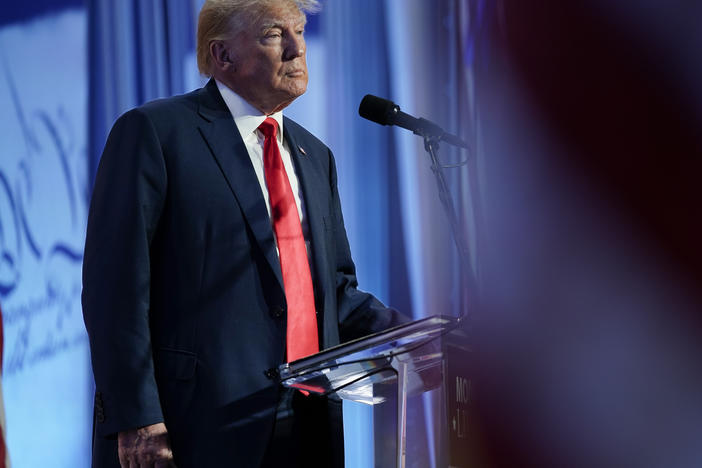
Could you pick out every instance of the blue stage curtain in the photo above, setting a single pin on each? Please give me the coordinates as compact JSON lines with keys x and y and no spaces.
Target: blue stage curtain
{"x":139,"y":50}
{"x":357,"y":64}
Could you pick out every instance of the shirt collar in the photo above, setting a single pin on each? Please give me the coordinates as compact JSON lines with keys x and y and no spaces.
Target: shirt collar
{"x":246,"y":117}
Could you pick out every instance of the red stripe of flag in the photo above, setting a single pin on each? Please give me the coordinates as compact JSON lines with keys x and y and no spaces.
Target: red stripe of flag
{"x":3,"y":450}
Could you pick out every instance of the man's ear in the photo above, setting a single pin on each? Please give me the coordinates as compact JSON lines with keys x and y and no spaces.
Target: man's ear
{"x":221,"y":56}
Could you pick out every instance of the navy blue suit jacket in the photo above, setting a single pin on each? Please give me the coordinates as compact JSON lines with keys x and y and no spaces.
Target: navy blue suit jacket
{"x":182,"y":290}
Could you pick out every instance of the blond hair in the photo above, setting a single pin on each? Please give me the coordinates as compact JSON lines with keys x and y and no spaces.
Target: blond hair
{"x":224,"y":19}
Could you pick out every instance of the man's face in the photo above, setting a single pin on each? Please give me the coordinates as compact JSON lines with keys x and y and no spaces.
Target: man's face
{"x":269,"y":68}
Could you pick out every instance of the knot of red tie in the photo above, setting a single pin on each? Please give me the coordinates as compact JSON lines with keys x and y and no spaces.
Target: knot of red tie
{"x":269,"y":127}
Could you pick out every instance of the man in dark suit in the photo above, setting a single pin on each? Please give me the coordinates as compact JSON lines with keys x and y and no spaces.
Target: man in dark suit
{"x":192,"y":284}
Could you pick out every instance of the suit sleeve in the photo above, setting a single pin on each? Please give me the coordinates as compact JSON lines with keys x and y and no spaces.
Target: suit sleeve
{"x":127,"y":201}
{"x":360,"y":313}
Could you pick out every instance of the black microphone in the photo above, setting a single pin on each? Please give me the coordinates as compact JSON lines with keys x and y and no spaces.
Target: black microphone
{"x":386,"y":112}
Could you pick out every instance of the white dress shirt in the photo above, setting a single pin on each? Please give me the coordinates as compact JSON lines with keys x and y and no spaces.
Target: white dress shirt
{"x":247,"y":119}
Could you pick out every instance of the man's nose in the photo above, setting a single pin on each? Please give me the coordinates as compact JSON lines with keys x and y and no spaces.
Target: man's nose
{"x":295,"y":47}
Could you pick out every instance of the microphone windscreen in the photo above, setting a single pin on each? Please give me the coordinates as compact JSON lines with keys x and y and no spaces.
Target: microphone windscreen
{"x":377,"y":109}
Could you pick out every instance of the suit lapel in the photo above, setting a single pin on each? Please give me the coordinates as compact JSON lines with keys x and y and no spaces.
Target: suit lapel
{"x":310,"y":178}
{"x":231,"y":155}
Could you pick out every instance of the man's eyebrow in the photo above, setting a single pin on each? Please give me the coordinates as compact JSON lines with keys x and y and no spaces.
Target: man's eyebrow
{"x":269,"y":24}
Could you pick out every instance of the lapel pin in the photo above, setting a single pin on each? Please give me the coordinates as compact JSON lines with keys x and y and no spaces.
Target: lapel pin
{"x":302,"y":150}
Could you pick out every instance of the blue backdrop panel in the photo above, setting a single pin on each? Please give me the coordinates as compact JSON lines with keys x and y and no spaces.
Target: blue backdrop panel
{"x":43,"y":188}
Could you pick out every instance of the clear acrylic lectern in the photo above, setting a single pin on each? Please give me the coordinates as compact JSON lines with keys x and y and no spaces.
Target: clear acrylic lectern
{"x":409,"y":357}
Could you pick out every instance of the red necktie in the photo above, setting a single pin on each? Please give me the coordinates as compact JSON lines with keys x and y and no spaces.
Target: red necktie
{"x":302,"y":320}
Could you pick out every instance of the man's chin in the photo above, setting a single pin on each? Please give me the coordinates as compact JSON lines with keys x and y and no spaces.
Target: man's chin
{"x":297,"y":88}
{"x":295,"y":92}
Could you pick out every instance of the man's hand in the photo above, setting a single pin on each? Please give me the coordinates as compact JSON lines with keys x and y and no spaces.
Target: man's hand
{"x":145,"y":447}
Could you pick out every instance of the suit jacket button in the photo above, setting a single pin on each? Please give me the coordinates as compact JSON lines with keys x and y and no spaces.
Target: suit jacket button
{"x":278,"y":311}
